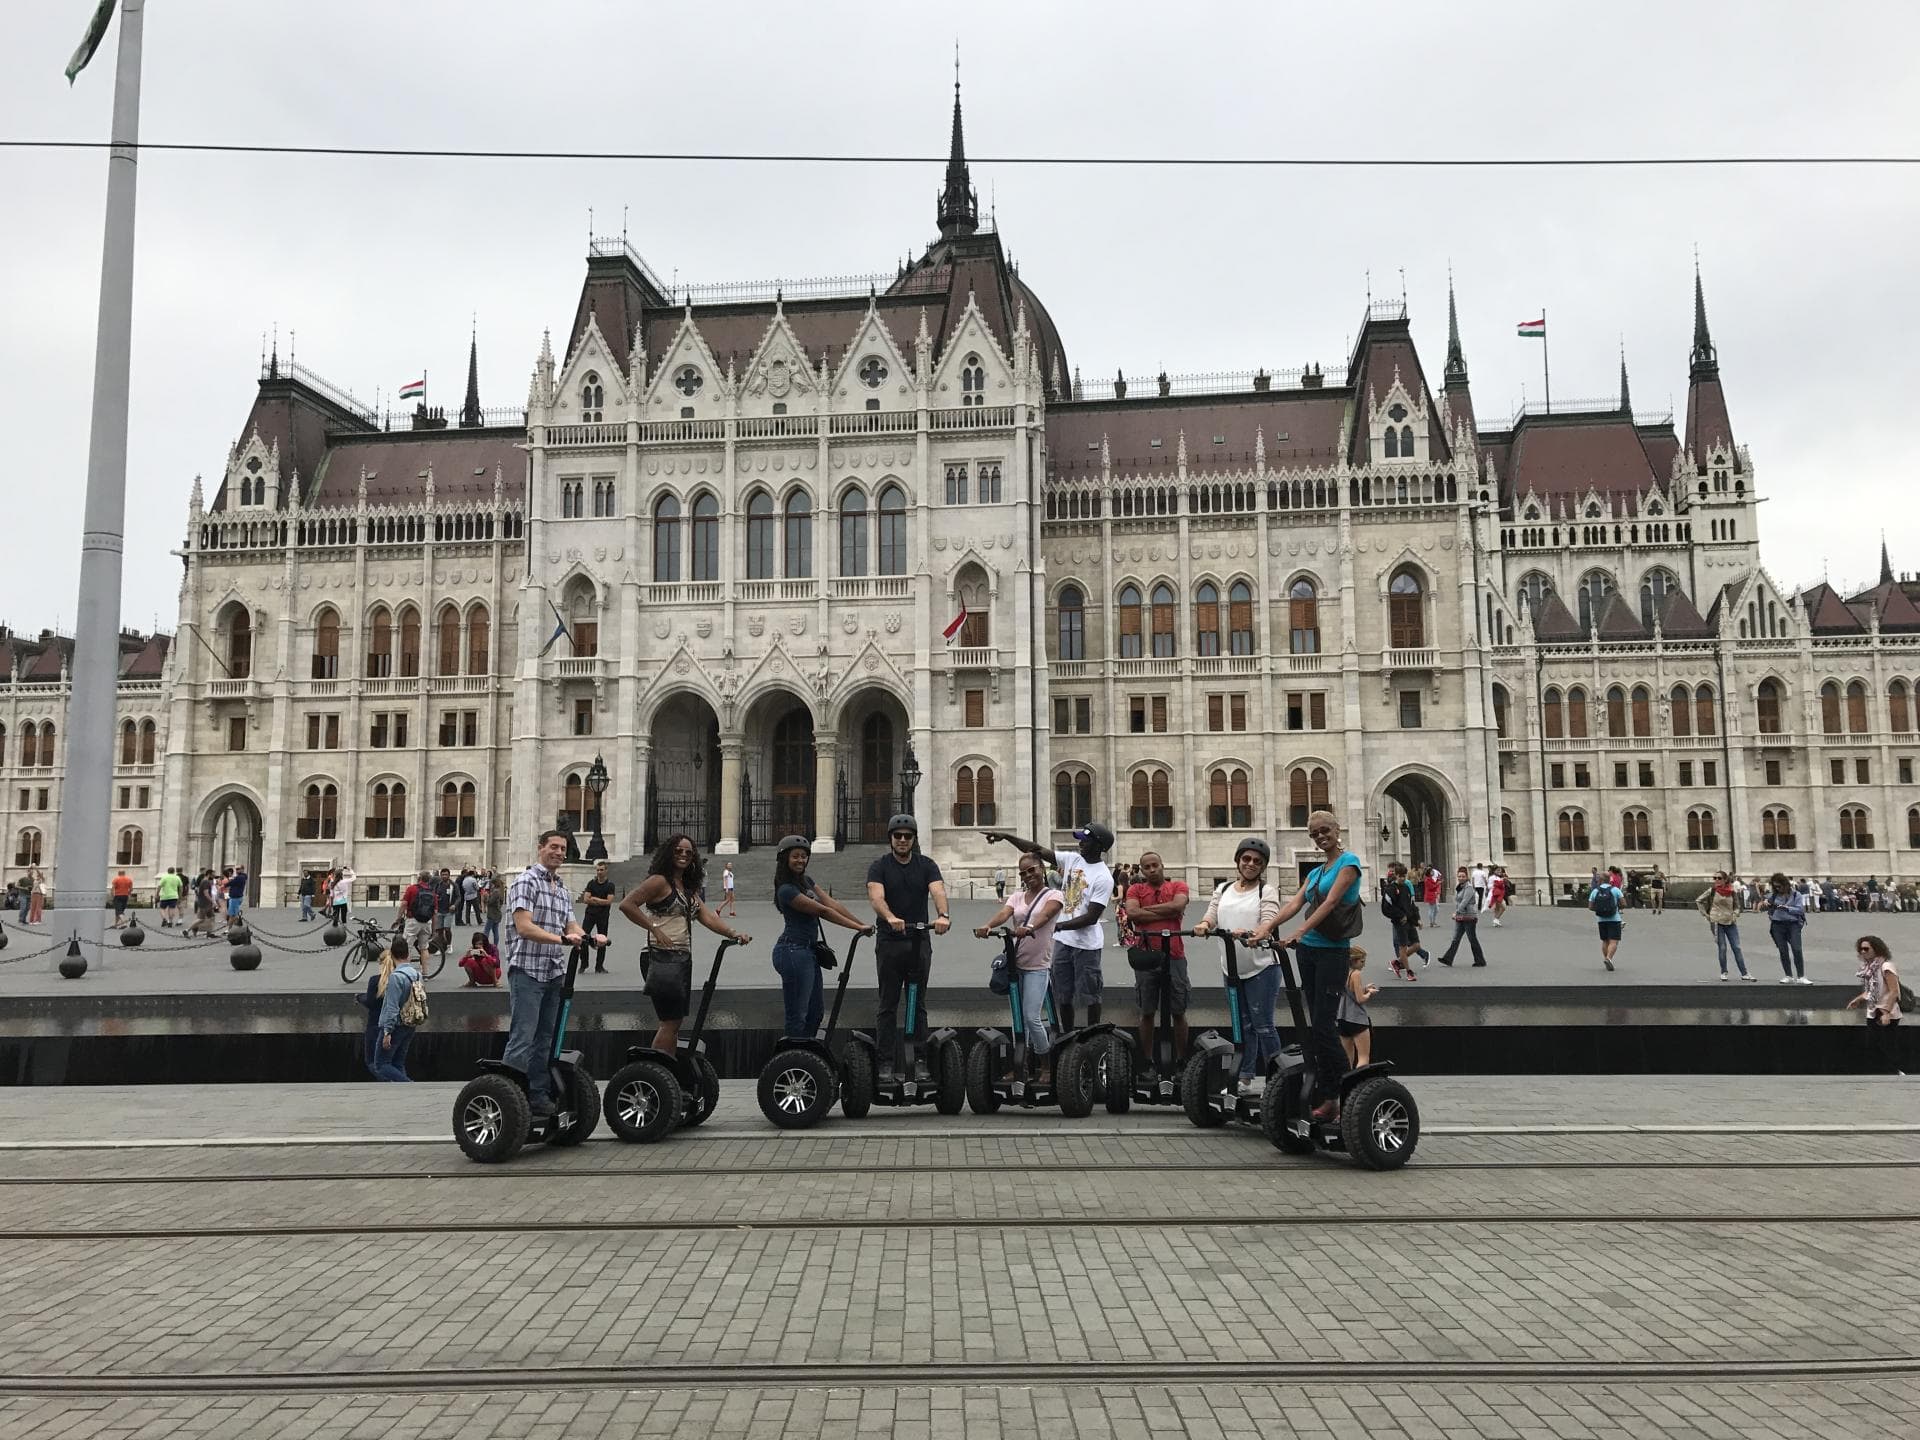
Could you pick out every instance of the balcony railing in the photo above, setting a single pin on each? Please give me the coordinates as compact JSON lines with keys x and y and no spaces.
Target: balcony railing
{"x":972,"y":417}
{"x":691,"y":592}
{"x":761,"y":591}
{"x":1158,"y":665}
{"x":874,"y":422}
{"x":972,"y":657}
{"x":1074,"y":669}
{"x":777,"y":427}
{"x":232,"y":689}
{"x":1306,"y":664}
{"x":872,"y":587}
{"x":599,"y":435}
{"x":1420,"y":658}
{"x":458,"y":684}
{"x":391,"y":685}
{"x":681,"y":432}
{"x":580,"y":667}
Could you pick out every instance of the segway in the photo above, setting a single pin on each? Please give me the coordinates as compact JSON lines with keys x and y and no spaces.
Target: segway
{"x":1378,"y":1122}
{"x":1209,"y":1083}
{"x":799,"y":1085}
{"x":655,"y":1093}
{"x":999,"y":1066}
{"x":493,"y":1116}
{"x":1157,"y":1082}
{"x":925,"y":1071}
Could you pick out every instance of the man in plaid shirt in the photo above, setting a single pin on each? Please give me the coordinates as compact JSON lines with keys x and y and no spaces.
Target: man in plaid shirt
{"x":543,"y":928}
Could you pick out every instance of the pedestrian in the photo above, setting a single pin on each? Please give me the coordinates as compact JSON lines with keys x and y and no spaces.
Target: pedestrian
{"x":597,"y":896}
{"x":416,"y":911}
{"x":369,"y":1000}
{"x":469,"y":897}
{"x":444,"y":892}
{"x":1786,"y":923}
{"x":166,"y":895}
{"x":1356,"y":1025}
{"x":726,"y":892}
{"x":342,"y":894}
{"x":1604,"y":900}
{"x":121,"y":890}
{"x":36,"y":894}
{"x":1721,"y":906}
{"x":481,"y":962}
{"x":1430,"y":893}
{"x":306,"y":896}
{"x":236,"y":895}
{"x":1330,"y":905}
{"x":1657,"y":891}
{"x":492,"y":899}
{"x":1480,"y":877}
{"x":403,"y":1010}
{"x":1152,"y":905}
{"x":204,"y":916}
{"x":1466,"y":919}
{"x":665,"y":904}
{"x":1086,"y":891}
{"x":1499,"y":888}
{"x":1402,"y":912}
{"x":796,"y":954}
{"x":1000,"y":882}
{"x":542,"y":930}
{"x":901,"y":885}
{"x":1883,"y":996}
{"x":1247,"y":907}
{"x":1031,"y":913}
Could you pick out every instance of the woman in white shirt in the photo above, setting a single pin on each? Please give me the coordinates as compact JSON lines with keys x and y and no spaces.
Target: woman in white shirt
{"x":1248,"y":908}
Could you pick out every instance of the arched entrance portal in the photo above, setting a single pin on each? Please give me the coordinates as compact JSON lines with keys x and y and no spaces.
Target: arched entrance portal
{"x":777,"y":779}
{"x":232,"y":835}
{"x":873,"y":747}
{"x":683,"y":787}
{"x":1415,"y":818}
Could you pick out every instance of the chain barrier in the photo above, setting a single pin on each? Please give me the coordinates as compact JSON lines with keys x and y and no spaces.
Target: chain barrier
{"x":6,"y":959}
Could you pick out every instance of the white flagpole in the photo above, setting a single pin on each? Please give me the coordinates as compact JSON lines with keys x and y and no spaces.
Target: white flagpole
{"x":80,"y":861}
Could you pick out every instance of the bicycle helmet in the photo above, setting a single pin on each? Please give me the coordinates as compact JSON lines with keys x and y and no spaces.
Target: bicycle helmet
{"x":793,"y":842}
{"x":1096,"y":832}
{"x":903,"y":822}
{"x":1257,"y":846}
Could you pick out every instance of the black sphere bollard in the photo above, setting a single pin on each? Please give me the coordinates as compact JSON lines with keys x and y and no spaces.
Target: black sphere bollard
{"x":73,"y":964}
{"x":3,"y":938}
{"x":334,"y":935}
{"x":239,"y":935}
{"x":134,"y":936}
{"x":245,"y":957}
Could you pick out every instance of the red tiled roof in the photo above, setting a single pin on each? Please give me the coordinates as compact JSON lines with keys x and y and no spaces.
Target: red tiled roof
{"x":1554,"y":457}
{"x":1385,"y":349}
{"x":1707,"y":422}
{"x":1681,"y":619}
{"x":1617,"y":620}
{"x":1827,"y":613}
{"x":146,"y":661}
{"x":1302,"y":429}
{"x":1553,"y":621}
{"x":463,"y":463}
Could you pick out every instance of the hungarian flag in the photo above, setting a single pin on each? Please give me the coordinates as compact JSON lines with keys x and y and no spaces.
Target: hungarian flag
{"x":90,"y":42}
{"x":1534,"y":329}
{"x":953,"y":628}
{"x":414,"y":389}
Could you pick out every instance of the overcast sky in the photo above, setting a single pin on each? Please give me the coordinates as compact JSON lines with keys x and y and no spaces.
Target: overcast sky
{"x":378,"y":264}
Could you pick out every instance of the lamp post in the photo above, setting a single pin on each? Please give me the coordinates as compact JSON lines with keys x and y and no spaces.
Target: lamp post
{"x":597,"y":784}
{"x":909,"y":779}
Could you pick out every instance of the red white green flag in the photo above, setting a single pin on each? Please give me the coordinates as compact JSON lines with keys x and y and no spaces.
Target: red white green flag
{"x":1534,"y":329}
{"x":414,"y":389}
{"x":953,"y":628}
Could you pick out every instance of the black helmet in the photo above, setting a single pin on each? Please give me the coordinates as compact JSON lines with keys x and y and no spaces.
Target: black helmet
{"x":1257,"y":846}
{"x":1095,"y":831}
{"x":903,"y":822}
{"x":794,"y":842}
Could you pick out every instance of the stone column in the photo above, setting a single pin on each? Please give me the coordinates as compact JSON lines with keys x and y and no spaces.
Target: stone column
{"x":826,"y":751}
{"x":731,"y":747}
{"x":636,"y":826}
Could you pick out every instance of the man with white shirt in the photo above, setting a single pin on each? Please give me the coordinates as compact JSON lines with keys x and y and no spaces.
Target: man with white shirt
{"x":1086,"y":885}
{"x":1479,"y":879}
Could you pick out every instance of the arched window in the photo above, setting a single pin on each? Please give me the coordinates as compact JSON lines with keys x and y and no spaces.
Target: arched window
{"x":1635,"y":831}
{"x":1072,"y":799}
{"x":1317,"y":792}
{"x":131,"y":847}
{"x":1680,"y":710}
{"x":1830,"y":708}
{"x":1655,"y":586}
{"x":1702,"y":830}
{"x":573,"y":804}
{"x":1552,"y":716}
{"x":456,"y":817}
{"x":1509,"y":842}
{"x":666,"y":540}
{"x":892,"y":532}
{"x":387,"y":811}
{"x":46,"y":744}
{"x":3,"y":747}
{"x":1776,"y":828}
{"x":379,"y":643}
{"x":1577,"y":713}
{"x":973,"y":382}
{"x":1642,"y":711}
{"x":409,"y":641}
{"x":129,"y":742}
{"x":319,"y":812}
{"x":1703,"y":721}
{"x":479,"y":641}
{"x":1240,"y":618}
{"x":797,"y":535}
{"x":1152,"y":807}
{"x":1899,"y":711}
{"x":1206,"y":619}
{"x":1534,"y":589}
{"x":1132,"y":618}
{"x":1406,"y":618}
{"x":1856,"y":828}
{"x":986,"y":812}
{"x":1856,"y":708}
{"x":1228,"y":802}
{"x":1595,"y":586}
{"x":760,"y":536}
{"x":1766,"y":702}
{"x":593,"y":398}
{"x":1071,"y":626}
{"x":1303,"y":618}
{"x":704,"y":551}
{"x":447,"y":632}
{"x":853,"y":533}
{"x":1390,"y":443}
{"x":1913,"y":827}
{"x":963,"y":797}
{"x":27,"y":851}
{"x":1616,"y":712}
{"x":1163,"y":611}
{"x":1500,"y":702}
{"x":239,"y":642}
{"x":326,"y":644}
{"x":1406,"y":442}
{"x":1572,"y":830}
{"x":29,"y":745}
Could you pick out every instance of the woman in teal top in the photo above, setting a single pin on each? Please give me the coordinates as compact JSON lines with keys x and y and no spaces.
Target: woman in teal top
{"x":1330,"y":895}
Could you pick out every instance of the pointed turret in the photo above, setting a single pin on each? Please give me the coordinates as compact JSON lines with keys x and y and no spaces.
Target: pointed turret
{"x":1459,"y":398}
{"x":1456,"y":373}
{"x":1886,"y":563}
{"x":1703,"y":362}
{"x":470,"y":411}
{"x":1708,"y":426}
{"x":1626,"y":398}
{"x":959,"y":210}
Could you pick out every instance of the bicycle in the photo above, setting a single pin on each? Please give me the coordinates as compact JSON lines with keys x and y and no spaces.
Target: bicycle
{"x":373,"y":944}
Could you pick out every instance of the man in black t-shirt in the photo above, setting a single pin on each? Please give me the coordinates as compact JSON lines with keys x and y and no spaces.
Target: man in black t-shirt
{"x":597,"y":896}
{"x":899,"y":884}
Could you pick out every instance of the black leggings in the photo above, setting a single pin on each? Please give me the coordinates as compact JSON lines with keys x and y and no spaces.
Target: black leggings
{"x":898,"y":960}
{"x":1323,"y":975}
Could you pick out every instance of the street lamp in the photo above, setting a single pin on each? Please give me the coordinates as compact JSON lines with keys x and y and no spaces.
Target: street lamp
{"x":909,"y":779}
{"x":597,"y":784}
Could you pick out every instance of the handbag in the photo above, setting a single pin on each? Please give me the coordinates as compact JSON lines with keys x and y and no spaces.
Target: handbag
{"x":1345,"y":920}
{"x":666,"y":974}
{"x":823,"y":955}
{"x":1351,"y":1011}
{"x":998,"y":981}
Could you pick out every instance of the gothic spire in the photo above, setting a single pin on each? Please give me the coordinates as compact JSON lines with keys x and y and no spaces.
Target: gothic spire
{"x":470,"y":412}
{"x":1456,"y":373}
{"x":1886,"y":563}
{"x":1626,"y":400}
{"x":1703,"y":360}
{"x":959,"y":212}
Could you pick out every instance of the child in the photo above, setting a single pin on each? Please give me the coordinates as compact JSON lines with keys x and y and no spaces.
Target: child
{"x":1356,"y":1026}
{"x":480,"y":962}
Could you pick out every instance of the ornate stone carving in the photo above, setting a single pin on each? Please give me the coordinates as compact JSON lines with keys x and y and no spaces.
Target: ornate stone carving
{"x":893,"y":623}
{"x":682,"y":665}
{"x":872,"y":662}
{"x":756,"y":625}
{"x":797,"y":625}
{"x":662,"y":628}
{"x":849,"y":622}
{"x":703,"y":628}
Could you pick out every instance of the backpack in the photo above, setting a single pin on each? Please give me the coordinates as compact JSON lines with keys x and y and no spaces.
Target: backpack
{"x":1605,"y":902}
{"x":413,"y":1009}
{"x":422,"y":907}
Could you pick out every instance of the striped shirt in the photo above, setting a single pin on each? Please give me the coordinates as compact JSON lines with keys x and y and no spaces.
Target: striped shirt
{"x":542,"y":893}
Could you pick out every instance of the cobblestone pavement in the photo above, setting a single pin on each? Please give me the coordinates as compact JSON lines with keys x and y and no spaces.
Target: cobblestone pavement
{"x":1617,"y":1256}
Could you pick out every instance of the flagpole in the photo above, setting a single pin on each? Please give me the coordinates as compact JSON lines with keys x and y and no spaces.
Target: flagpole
{"x":80,"y":860}
{"x":1546,"y":374}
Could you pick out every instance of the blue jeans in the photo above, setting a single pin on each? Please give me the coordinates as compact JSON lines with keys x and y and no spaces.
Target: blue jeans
{"x":390,"y":1064}
{"x":492,"y":929}
{"x":306,"y":907}
{"x":801,"y":988}
{"x":1724,"y":936}
{"x":1260,"y":1042}
{"x":1033,"y":1009}
{"x":1786,"y":938}
{"x":535,"y":1009}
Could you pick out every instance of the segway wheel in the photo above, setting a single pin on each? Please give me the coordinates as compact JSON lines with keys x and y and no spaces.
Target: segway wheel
{"x":644,"y":1102}
{"x":1380,"y":1123}
{"x":856,"y":1081}
{"x":983,"y":1096}
{"x":583,"y":1099}
{"x":491,"y":1119}
{"x":950,"y":1076}
{"x":1119,"y":1074}
{"x":1073,"y":1080}
{"x":1196,"y":1099}
{"x":700,"y":1104}
{"x":1280,"y":1106}
{"x":797,"y":1089}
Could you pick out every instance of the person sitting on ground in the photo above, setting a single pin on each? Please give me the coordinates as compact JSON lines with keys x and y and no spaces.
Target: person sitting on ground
{"x":481,"y":962}
{"x":1356,"y":1025}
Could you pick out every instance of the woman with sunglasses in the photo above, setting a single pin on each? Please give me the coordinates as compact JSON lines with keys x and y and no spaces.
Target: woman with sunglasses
{"x":1248,"y":907}
{"x":665,"y":905}
{"x":1330,"y":897}
{"x":1880,"y":994}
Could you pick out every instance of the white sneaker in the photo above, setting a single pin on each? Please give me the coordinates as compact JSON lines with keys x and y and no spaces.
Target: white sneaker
{"x":1723,"y":974}
{"x":1749,"y":976}
{"x":1803,"y":980}
{"x":1496,"y":922}
{"x":1786,"y":979}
